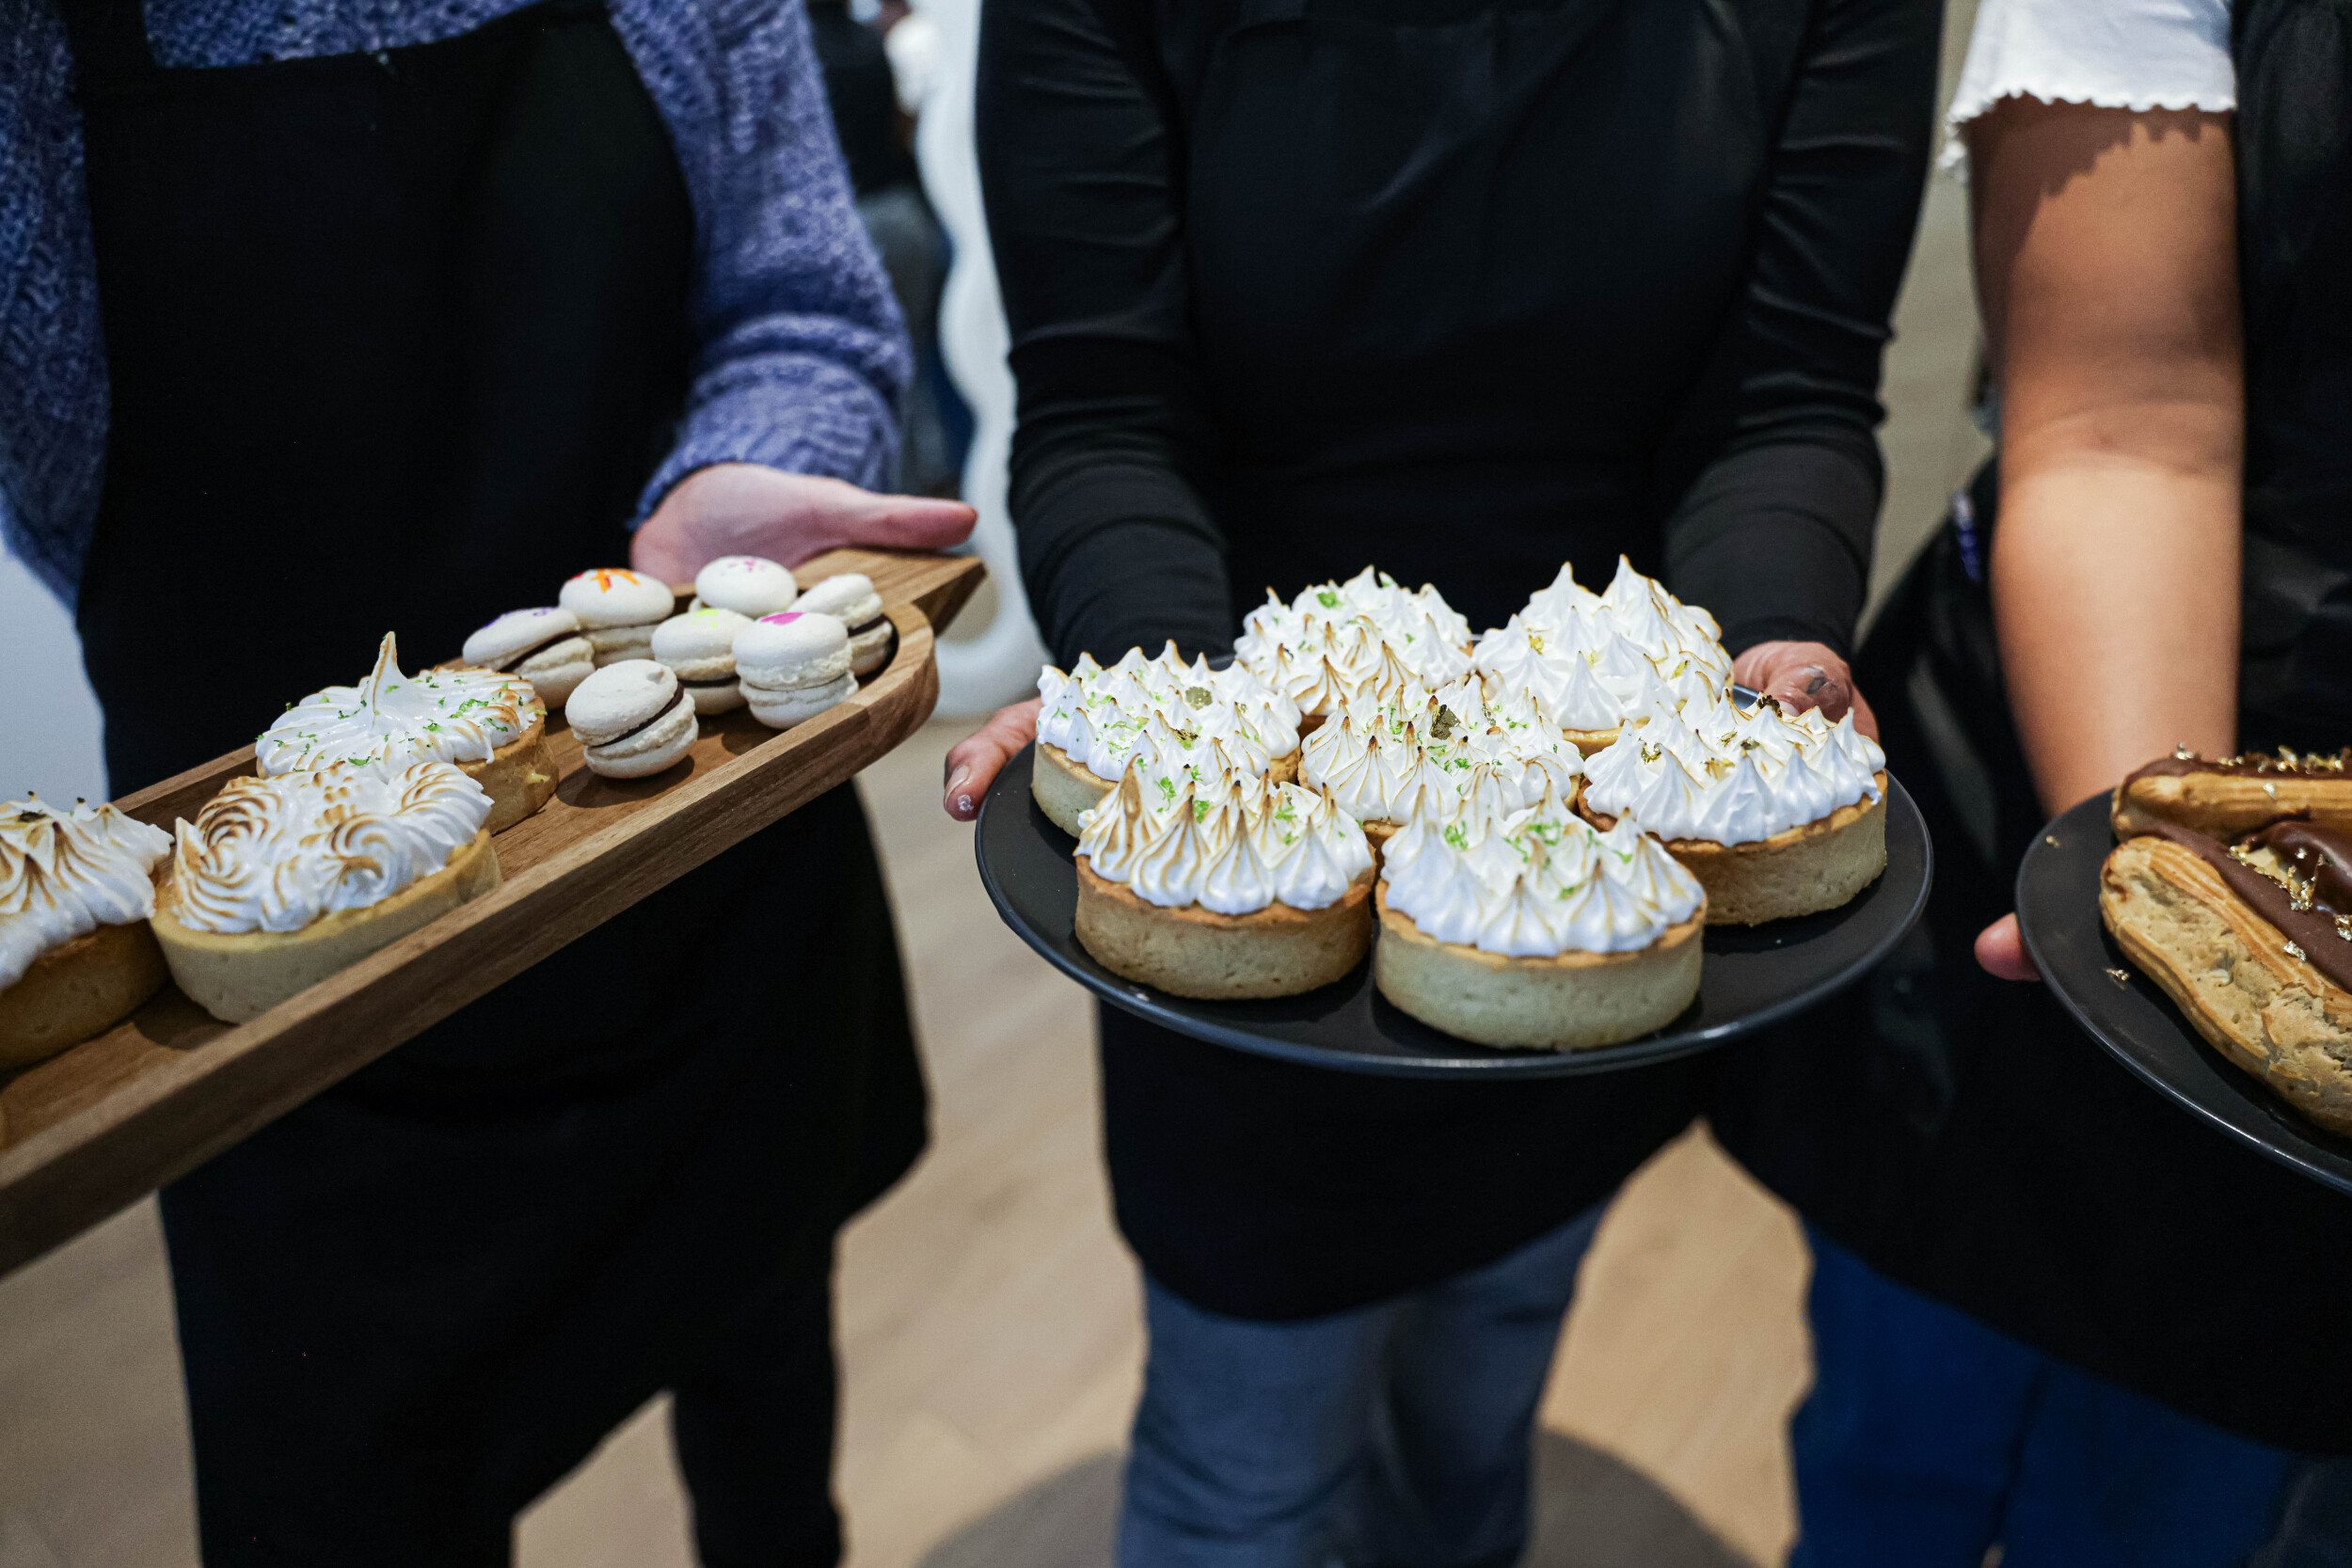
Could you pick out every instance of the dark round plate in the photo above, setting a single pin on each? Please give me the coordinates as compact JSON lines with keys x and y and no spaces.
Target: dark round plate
{"x":1752,"y":975}
{"x":2057,"y":911}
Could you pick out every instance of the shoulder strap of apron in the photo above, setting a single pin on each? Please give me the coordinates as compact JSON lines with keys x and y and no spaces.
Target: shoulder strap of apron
{"x":109,"y":43}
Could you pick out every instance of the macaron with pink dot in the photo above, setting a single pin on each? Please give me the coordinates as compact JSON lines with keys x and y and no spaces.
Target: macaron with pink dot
{"x":793,"y":666}
{"x":749,"y":585}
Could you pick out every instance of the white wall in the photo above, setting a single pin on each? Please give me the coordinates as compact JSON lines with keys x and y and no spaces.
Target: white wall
{"x":49,"y":730}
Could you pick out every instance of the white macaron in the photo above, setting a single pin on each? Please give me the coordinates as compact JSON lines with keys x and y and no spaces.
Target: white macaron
{"x":618,"y":608}
{"x":633,"y":719}
{"x":750,"y":585}
{"x":543,"y":646}
{"x":539,"y":645}
{"x":700,"y":646}
{"x":781,"y":710}
{"x":793,"y":666}
{"x":850,"y":598}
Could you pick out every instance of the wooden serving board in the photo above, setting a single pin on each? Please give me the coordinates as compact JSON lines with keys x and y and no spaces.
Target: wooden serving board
{"x":116,"y":1117}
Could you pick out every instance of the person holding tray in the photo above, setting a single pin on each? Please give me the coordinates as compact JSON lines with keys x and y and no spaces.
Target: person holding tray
{"x":1296,"y":288}
{"x":2050,"y":1310}
{"x":321,"y":319}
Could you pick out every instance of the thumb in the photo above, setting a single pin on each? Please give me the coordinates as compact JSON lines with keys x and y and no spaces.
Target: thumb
{"x":906,"y":523}
{"x":1797,"y":675}
{"x":2001,"y":951}
{"x":973,"y":762}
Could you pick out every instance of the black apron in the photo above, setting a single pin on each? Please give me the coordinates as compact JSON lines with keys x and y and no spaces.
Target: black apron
{"x":1389,"y":212}
{"x":1388,"y":215}
{"x":1959,"y":1132}
{"x":392,"y":341}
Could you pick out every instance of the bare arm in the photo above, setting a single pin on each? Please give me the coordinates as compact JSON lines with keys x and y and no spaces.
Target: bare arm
{"x":2107,"y":269}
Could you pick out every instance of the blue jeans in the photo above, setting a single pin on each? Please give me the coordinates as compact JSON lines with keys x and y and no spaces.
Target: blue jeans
{"x":1928,"y":1438}
{"x":1395,"y":1435}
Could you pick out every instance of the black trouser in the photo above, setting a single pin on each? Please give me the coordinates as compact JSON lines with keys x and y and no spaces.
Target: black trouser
{"x":753,"y":1424}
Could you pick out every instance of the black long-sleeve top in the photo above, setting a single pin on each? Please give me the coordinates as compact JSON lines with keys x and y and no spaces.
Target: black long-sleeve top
{"x":1299,"y":284}
{"x":1464,"y":289}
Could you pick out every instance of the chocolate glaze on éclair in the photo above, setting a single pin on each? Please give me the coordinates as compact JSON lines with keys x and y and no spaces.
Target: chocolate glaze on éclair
{"x":2312,"y":906}
{"x":2286,"y":764}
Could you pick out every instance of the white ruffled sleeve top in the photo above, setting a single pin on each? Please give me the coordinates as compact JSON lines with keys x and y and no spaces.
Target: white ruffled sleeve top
{"x":2113,"y":53}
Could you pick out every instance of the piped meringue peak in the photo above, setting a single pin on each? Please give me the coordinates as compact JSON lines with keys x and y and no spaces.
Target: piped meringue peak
{"x":1537,"y":881}
{"x":1711,"y":772}
{"x":1232,"y":844}
{"x":434,"y":715}
{"x":63,"y":874}
{"x":1394,"y":760}
{"x":1367,"y":637}
{"x":1589,"y":660}
{"x":1174,"y":720}
{"x":274,"y":854}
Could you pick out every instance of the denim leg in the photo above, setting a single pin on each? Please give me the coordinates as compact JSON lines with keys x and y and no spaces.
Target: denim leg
{"x":1247,"y":1435}
{"x":2315,"y":1520}
{"x":1906,"y":1448}
{"x":1447,"y":1480}
{"x":2108,"y":1478}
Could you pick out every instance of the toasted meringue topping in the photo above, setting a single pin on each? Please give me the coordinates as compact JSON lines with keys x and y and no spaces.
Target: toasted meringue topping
{"x":1630,"y":637}
{"x":1232,"y":843}
{"x":1708,"y":771}
{"x":436,"y":715}
{"x":1389,"y":761}
{"x":1537,"y":881}
{"x":63,"y":874}
{"x":274,"y":854}
{"x":1326,"y":647}
{"x":1165,"y":715}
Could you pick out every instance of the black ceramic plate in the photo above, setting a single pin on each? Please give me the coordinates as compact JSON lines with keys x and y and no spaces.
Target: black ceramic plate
{"x":1752,"y":975}
{"x":2057,"y":909}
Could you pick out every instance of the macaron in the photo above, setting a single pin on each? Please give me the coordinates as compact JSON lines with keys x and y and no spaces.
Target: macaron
{"x":793,"y":667}
{"x":850,"y":598}
{"x":618,"y":610}
{"x":700,"y":646}
{"x":543,"y":646}
{"x":633,"y":719}
{"x":750,"y":585}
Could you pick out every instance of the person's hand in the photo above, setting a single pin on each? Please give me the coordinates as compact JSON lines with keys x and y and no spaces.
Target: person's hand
{"x":973,"y":762}
{"x":1800,"y":676}
{"x":2001,"y":951}
{"x":749,"y":509}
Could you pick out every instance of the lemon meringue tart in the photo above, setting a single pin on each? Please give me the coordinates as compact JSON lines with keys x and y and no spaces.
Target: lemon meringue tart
{"x":1588,"y":662}
{"x":1241,"y":888}
{"x":1386,"y":763}
{"x":491,"y":726}
{"x":280,"y":882}
{"x":1179,"y":722}
{"x":1534,"y":930}
{"x":1774,"y":815}
{"x":77,"y":956}
{"x":1367,"y":639}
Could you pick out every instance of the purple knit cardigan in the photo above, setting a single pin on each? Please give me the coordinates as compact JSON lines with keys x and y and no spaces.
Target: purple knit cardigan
{"x":801,"y":353}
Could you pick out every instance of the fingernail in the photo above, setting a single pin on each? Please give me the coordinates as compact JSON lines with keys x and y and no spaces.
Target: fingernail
{"x":964,"y":802}
{"x":958,"y":775}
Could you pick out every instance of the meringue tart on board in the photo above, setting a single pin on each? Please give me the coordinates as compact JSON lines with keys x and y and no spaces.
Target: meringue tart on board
{"x":280,"y":882}
{"x":77,"y":889}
